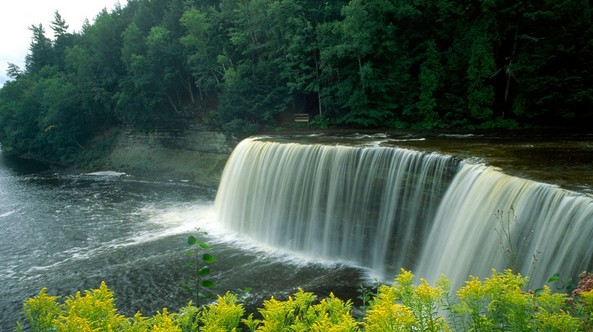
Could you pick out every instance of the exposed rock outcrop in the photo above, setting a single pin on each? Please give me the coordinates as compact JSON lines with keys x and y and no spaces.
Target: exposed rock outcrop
{"x":196,"y":154}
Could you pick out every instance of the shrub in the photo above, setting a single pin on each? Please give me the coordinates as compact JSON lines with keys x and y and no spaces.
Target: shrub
{"x":299,"y":313}
{"x":406,"y":306}
{"x":583,"y":300}
{"x":41,"y":311}
{"x":224,"y":315}
{"x":93,"y":311}
{"x":498,"y":303}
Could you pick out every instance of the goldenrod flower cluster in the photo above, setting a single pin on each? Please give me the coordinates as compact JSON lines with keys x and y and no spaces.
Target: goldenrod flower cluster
{"x":497,"y":303}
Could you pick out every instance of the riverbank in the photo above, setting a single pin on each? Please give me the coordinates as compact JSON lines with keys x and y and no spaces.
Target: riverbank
{"x":196,"y":154}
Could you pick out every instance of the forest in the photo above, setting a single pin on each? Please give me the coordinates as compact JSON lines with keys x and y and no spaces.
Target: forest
{"x":246,"y":65}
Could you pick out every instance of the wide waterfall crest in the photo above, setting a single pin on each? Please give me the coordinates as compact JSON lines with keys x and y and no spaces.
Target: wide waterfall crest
{"x":386,"y":208}
{"x":362,"y":205}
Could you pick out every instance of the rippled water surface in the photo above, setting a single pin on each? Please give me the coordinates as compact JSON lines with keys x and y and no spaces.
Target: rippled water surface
{"x":560,"y":158}
{"x":69,"y":232}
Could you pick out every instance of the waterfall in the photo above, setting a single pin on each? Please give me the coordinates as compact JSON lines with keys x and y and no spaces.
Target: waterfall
{"x":490,"y":220}
{"x":385,"y":208}
{"x":363,"y":205}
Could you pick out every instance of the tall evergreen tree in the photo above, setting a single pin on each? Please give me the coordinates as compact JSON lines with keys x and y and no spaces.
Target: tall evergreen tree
{"x":40,"y":50}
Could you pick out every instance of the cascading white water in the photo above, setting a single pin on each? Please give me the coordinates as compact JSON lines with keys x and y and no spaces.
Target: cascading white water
{"x":363,"y":205}
{"x":549,"y":230}
{"x":387,"y":208}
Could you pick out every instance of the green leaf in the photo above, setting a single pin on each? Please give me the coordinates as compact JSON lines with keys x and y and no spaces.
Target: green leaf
{"x":208,"y":283}
{"x":204,"y":271}
{"x":208,"y":258}
{"x":555,"y":277}
{"x":191,"y":240}
{"x":204,"y":245}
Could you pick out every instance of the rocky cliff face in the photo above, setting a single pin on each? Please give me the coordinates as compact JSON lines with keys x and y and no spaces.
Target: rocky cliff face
{"x":196,"y":154}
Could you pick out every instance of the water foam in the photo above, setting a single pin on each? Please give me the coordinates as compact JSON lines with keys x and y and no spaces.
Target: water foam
{"x":336,"y":203}
{"x":386,"y":208}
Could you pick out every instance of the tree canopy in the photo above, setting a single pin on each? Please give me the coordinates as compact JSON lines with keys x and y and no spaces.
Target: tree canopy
{"x":241,"y":65}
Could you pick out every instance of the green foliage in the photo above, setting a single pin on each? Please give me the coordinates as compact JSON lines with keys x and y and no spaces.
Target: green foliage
{"x":480,"y":66}
{"x":365,"y":295}
{"x":300,"y":313}
{"x":202,"y":54}
{"x":93,"y":311}
{"x":245,"y":65}
{"x":430,"y":82}
{"x":224,"y":315}
{"x":498,"y":303}
{"x":407,"y":306}
{"x":40,"y":50}
{"x":200,"y":285}
{"x":41,"y":311}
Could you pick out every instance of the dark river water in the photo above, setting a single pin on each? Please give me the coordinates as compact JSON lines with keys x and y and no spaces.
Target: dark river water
{"x":69,"y":232}
{"x":563,"y":158}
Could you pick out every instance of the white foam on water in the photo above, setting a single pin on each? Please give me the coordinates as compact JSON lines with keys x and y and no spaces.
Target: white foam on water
{"x":106,"y":173}
{"x":160,"y":223}
{"x":386,"y":208}
{"x":6,"y":214}
{"x":220,"y":235}
{"x":336,"y":203}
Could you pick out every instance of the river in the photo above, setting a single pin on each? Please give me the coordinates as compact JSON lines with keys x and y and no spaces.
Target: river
{"x":68,"y":232}
{"x":320,"y":212}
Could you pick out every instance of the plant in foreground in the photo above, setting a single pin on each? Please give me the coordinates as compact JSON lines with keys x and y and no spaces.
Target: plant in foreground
{"x":497,"y":303}
{"x":583,"y":298}
{"x":301,"y":313}
{"x":200,"y":285}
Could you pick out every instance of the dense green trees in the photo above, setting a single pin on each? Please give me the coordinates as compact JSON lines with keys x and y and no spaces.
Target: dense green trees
{"x":245,"y":64}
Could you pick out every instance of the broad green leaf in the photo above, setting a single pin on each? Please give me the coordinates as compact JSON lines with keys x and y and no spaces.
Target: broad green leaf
{"x":208,"y":258}
{"x":555,"y":277}
{"x":208,"y":283}
{"x":204,"y":271}
{"x":204,"y":245}
{"x":191,"y":240}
